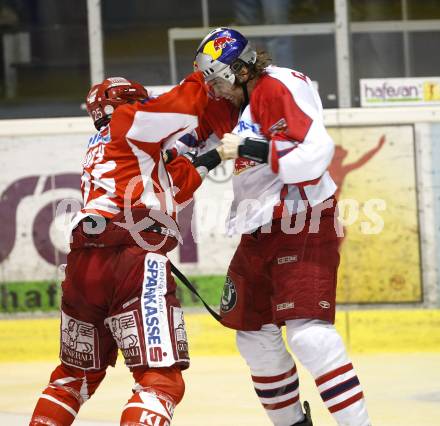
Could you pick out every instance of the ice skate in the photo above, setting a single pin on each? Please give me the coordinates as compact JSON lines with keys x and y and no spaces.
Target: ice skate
{"x":308,"y":417}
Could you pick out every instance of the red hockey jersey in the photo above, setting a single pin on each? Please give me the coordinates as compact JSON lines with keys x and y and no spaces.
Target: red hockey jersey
{"x":124,"y":160}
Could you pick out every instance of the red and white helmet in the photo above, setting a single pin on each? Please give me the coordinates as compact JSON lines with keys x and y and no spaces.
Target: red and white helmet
{"x":105,"y":97}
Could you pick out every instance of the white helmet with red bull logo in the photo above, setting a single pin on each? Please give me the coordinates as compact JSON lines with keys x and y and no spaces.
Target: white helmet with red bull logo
{"x":222,"y":53}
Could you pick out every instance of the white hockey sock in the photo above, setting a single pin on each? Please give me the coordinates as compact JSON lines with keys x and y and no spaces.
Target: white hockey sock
{"x":318,"y":346}
{"x":273,"y":373}
{"x":342,"y":394}
{"x":279,"y":395}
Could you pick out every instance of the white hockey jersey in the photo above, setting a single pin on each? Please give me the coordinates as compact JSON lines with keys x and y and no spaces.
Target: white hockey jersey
{"x":285,"y":109}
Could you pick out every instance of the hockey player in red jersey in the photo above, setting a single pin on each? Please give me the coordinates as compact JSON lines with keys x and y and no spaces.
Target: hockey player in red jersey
{"x":118,"y":291}
{"x":284,"y":270}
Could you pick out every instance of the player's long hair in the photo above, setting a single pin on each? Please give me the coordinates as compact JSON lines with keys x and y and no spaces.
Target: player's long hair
{"x":263,"y":60}
{"x":245,"y":72}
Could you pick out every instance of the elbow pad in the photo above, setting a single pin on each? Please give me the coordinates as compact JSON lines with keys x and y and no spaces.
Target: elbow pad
{"x":254,"y":149}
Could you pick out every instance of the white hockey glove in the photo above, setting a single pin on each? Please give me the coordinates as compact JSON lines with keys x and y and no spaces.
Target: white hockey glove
{"x":228,"y":150}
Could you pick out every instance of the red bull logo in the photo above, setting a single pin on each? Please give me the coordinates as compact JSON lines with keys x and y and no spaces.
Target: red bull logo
{"x":214,"y":48}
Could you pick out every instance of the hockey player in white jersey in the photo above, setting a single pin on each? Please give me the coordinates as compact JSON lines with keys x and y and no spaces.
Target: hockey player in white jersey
{"x":284,"y":270}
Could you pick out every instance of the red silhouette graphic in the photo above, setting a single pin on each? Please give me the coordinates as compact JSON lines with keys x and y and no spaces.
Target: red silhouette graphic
{"x":339,"y":171}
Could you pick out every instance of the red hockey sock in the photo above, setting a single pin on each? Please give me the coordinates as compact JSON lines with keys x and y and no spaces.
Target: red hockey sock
{"x":56,"y":407}
{"x":148,"y":407}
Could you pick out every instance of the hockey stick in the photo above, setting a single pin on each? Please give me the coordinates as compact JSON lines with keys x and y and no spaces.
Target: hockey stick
{"x":191,"y":288}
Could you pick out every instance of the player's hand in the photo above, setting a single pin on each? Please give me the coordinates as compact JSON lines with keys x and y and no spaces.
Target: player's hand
{"x":228,"y":150}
